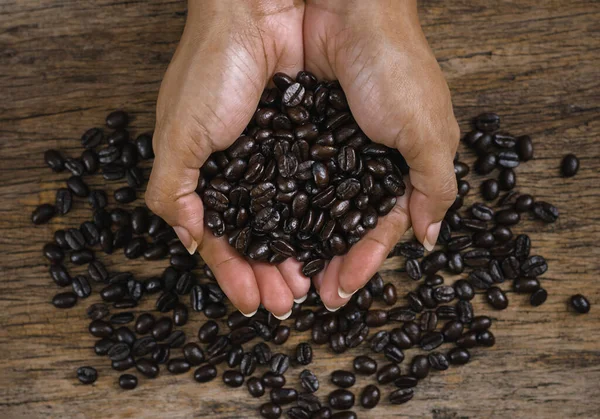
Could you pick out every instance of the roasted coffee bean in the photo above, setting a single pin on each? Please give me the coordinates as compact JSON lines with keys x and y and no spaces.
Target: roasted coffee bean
{"x":309,"y":381}
{"x":303,"y":354}
{"x":161,"y":354}
{"x":181,"y":365}
{"x":480,"y":323}
{"x":64,"y":300}
{"x":255,"y":387}
{"x":125,"y":335}
{"x":364,"y":365}
{"x":507,"y":217}
{"x":125,"y":195}
{"x":270,"y":410}
{"x":482,"y":212}
{"x":438,"y":361}
{"x":102,"y":346}
{"x":205,"y":373}
{"x":490,"y":189}
{"x":569,"y":165}
{"x":100,"y":328}
{"x":486,"y":164}
{"x":269,"y":379}
{"x":343,"y":379}
{"x":446,"y":312}
{"x":480,"y":279}
{"x":147,"y":367}
{"x":431,"y":340}
{"x":477,"y":257}
{"x":388,"y":373}
{"x":64,"y":200}
{"x":452,"y":330}
{"x":279,"y":363}
{"x":119,"y":351}
{"x":117,"y":119}
{"x":458,"y":356}
{"x":144,"y":146}
{"x":525,"y":148}
{"x":208,"y":332}
{"x":464,"y":309}
{"x":54,"y":160}
{"x":124,"y":364}
{"x":508,"y":159}
{"x":455,"y":263}
{"x":486,"y":338}
{"x":166,"y":302}
{"x":523,"y":203}
{"x":341,"y":399}
{"x":87,"y":375}
{"x":545,"y":211}
{"x":78,"y":186}
{"x":128,"y":381}
{"x":538,"y":297}
{"x":534,"y":266}
{"x":434,"y":262}
{"x":497,"y":298}
{"x":464,"y":290}
{"x":53,"y":253}
{"x":43,"y":213}
{"x":580,"y":303}
{"x":444,"y":294}
{"x":97,"y":311}
{"x":507,"y":179}
{"x":283,"y":395}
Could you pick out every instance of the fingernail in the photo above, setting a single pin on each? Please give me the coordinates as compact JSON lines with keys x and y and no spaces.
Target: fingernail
{"x":249,"y":314}
{"x":344,"y":294}
{"x":285,"y":316}
{"x":301,"y":299}
{"x":186,"y":239}
{"x":331,"y":309}
{"x":431,"y":236}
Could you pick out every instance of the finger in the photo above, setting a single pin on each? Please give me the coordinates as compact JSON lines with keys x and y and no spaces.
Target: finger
{"x":275,"y":294}
{"x":234,"y":275}
{"x":432,"y":176}
{"x":171,"y":188}
{"x":317,"y":280}
{"x":330,"y":285}
{"x":366,"y":257}
{"x":291,"y":271}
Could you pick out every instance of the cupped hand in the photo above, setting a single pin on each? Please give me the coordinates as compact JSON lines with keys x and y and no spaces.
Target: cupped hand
{"x":399,"y":97}
{"x":227,"y":53}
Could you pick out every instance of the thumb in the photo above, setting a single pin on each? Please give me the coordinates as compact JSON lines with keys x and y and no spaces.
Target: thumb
{"x":171,"y":192}
{"x":430,"y":158}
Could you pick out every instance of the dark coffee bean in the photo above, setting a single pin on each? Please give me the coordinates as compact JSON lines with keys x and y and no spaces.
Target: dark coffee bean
{"x":293,"y":95}
{"x":90,"y":233}
{"x":341,"y":399}
{"x":497,"y":298}
{"x":144,"y":346}
{"x":480,"y":323}
{"x":147,"y":367}
{"x":176,"y":339}
{"x":431,"y":340}
{"x":482,"y":212}
{"x":419,"y":367}
{"x":269,"y":379}
{"x":464,"y":309}
{"x":477,"y":257}
{"x":486,"y":164}
{"x":580,"y":303}
{"x":102,"y":346}
{"x":486,"y":338}
{"x":545,"y":211}
{"x":364,"y":365}
{"x":490,"y":189}
{"x":523,"y":203}
{"x":118,"y":137}
{"x":208,"y":332}
{"x":255,"y":387}
{"x":309,"y":381}
{"x":43,"y":213}
{"x":283,"y":395}
{"x":54,"y":160}
{"x":53,"y":253}
{"x":487,"y":122}
{"x":413,"y":269}
{"x":81,"y":257}
{"x":507,"y":179}
{"x":525,"y":148}
{"x":124,"y":364}
{"x":438,"y":361}
{"x":313,"y":267}
{"x":569,"y":165}
{"x":125,"y":335}
{"x":135,"y":177}
{"x":128,"y":381}
{"x":455,"y":263}
{"x":64,"y":200}
{"x":100,"y":328}
{"x":343,"y":379}
{"x":64,"y":300}
{"x":458,"y":356}
{"x":144,"y":146}
{"x":183,"y":262}
{"x":180,"y":366}
{"x":87,"y":375}
{"x":166,"y":302}
{"x":78,"y":186}
{"x":534,"y":266}
{"x":97,"y":311}
{"x":464,"y":290}
{"x":388,"y":373}
{"x":205,"y":373}
{"x":538,"y":297}
{"x":117,"y":119}
{"x":508,"y":159}
{"x":461,"y":170}
{"x":125,"y":195}
{"x":119,"y":351}
{"x":81,"y":286}
{"x":480,"y":279}
{"x":113,"y":171}
{"x":468,"y":340}
{"x":279,"y":363}
{"x":303,"y":353}
{"x":270,"y":410}
{"x":452,"y":330}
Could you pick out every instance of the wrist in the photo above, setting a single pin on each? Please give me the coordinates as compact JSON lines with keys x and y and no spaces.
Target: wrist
{"x":208,"y":11}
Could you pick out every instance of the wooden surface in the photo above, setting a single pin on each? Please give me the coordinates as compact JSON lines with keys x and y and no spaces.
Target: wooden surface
{"x":65,"y":64}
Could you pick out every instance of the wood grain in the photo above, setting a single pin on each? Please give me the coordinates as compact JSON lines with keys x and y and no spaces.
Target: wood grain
{"x":65,"y":64}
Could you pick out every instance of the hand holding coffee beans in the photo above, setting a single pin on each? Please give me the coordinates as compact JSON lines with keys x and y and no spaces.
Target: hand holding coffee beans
{"x":295,"y":148}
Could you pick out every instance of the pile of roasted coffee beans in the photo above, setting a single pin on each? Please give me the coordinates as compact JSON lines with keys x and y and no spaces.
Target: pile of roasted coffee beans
{"x":435,"y":320}
{"x":302,"y":180}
